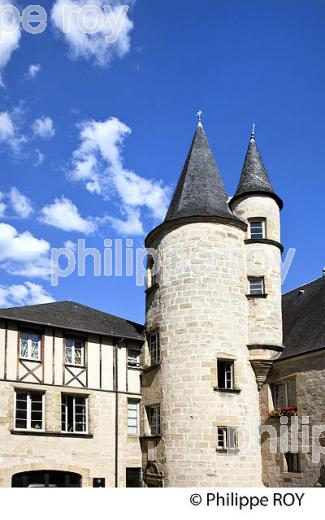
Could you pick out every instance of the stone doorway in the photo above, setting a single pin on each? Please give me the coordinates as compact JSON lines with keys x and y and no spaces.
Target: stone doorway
{"x":46,"y":479}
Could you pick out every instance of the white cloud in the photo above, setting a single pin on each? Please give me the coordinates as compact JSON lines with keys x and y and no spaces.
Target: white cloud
{"x":20,"y":247}
{"x":23,"y":254}
{"x":20,"y":203}
{"x":27,"y":293}
{"x":7,"y":129}
{"x":10,"y":134}
{"x":66,"y":16}
{"x":9,"y":38}
{"x":43,"y":127}
{"x":70,"y":245}
{"x":63,"y":214}
{"x":131,"y":226}
{"x":33,"y":70}
{"x":39,"y":157}
{"x":2,"y":205}
{"x":98,"y":164}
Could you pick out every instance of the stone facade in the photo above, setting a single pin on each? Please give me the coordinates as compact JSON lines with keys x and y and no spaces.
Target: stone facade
{"x":308,"y":374}
{"x":91,"y":455}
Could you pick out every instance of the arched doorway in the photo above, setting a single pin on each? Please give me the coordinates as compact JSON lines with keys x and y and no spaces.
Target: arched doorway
{"x":46,"y":479}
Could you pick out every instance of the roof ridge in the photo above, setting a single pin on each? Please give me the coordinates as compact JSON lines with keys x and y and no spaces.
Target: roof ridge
{"x":304,"y":285}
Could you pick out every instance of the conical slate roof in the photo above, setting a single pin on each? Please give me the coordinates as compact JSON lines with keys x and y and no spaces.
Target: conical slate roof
{"x":254,"y":179}
{"x":200,"y":191}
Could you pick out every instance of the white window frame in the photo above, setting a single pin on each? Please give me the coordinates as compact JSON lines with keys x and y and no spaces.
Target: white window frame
{"x":154,"y":350}
{"x":133,"y":358}
{"x":263,"y":232}
{"x":135,"y":429}
{"x":29,"y":410}
{"x":224,"y":435}
{"x":30,"y":346}
{"x":228,"y":374}
{"x":73,"y":352}
{"x":286,"y":394}
{"x":74,"y":396}
{"x":254,"y":280}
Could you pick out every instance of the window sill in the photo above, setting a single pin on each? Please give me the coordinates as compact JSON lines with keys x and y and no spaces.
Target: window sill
{"x":151,"y":367}
{"x":252,"y":296}
{"x":226,"y":451}
{"x":42,"y":433}
{"x":151,"y":437}
{"x":130,"y":367}
{"x":227,"y":390}
{"x":288,"y":474}
{"x":69,"y":365}
{"x":152,"y":288}
{"x":29,"y":360}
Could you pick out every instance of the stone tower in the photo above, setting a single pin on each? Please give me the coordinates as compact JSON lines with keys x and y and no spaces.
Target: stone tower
{"x":208,"y":340}
{"x":257,"y":204}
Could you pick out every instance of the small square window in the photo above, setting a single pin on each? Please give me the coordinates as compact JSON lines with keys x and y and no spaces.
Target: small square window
{"x":30,"y":346}
{"x":256,"y":286}
{"x":292,"y":462}
{"x":225,"y":374}
{"x":74,"y":352}
{"x":257,"y":229}
{"x":154,"y":348}
{"x":227,"y":438}
{"x":133,"y":359}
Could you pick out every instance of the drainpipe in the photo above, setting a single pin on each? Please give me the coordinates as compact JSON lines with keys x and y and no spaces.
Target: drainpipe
{"x":116,"y":410}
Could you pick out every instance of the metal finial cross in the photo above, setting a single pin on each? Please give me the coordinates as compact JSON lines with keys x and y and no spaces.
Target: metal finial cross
{"x":253,"y":133}
{"x":199,"y":115}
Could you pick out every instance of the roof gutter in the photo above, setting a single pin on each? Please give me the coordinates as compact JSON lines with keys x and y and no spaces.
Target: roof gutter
{"x":95,"y":332}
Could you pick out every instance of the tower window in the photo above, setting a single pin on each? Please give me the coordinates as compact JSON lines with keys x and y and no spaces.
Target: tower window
{"x":225,"y":375}
{"x":153,"y":413}
{"x":257,"y":229}
{"x":154,"y":348}
{"x":256,"y":285}
{"x":292,"y":462}
{"x":227,"y":438}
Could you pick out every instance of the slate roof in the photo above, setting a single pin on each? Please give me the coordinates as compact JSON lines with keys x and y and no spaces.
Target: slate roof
{"x":254,"y":178}
{"x":200,"y":191}
{"x":304,"y":319}
{"x":74,"y":316}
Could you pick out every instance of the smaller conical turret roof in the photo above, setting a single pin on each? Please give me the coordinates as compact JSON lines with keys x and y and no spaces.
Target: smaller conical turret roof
{"x":254,"y":179}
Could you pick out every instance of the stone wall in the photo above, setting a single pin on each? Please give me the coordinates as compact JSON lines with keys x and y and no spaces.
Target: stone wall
{"x":309,"y":373}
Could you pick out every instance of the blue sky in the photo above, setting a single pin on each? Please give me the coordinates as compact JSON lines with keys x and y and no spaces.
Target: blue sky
{"x":93,"y":137}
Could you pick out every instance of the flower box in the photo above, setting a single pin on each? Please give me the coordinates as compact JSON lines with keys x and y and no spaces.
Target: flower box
{"x":288,"y":411}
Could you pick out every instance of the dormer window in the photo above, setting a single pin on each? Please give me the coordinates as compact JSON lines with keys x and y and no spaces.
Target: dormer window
{"x":30,"y":346}
{"x":257,"y":229}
